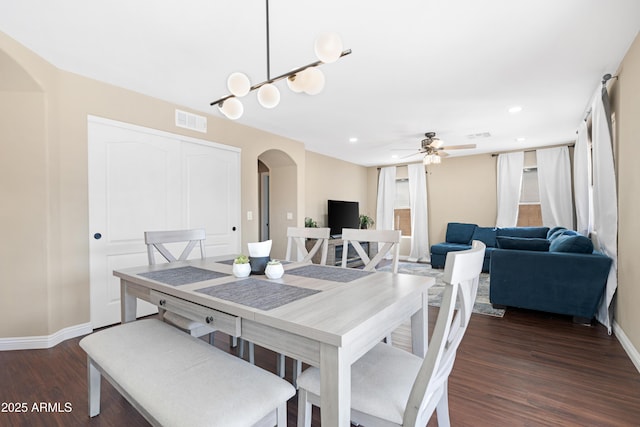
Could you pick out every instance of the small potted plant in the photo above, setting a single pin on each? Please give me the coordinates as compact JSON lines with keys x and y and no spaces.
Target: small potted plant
{"x":241,"y":266}
{"x":310,"y":223}
{"x":274,"y":269}
{"x":366,"y":222}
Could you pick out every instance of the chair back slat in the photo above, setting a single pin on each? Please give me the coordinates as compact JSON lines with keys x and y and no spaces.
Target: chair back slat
{"x":388,"y":240}
{"x":461,"y":276}
{"x":296,"y":240}
{"x":156,"y":241}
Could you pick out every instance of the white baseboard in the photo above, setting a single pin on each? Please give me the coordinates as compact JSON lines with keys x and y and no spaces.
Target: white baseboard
{"x":45,"y":341}
{"x":632,"y":352}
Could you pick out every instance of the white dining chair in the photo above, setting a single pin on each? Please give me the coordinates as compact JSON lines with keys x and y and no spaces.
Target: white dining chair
{"x":296,"y":241}
{"x":388,"y":243}
{"x":392,"y":387}
{"x":156,"y":242}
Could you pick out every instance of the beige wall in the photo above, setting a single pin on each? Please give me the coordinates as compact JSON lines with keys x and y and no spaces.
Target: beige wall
{"x":329,"y":178}
{"x":626,"y":105}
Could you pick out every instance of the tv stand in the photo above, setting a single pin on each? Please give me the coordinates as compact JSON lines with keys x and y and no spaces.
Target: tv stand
{"x":334,"y":252}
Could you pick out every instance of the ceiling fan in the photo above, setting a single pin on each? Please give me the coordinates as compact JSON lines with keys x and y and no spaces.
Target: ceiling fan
{"x":433,"y":149}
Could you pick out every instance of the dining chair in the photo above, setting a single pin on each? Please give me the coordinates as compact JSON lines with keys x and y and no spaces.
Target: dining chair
{"x":388,"y":242}
{"x":156,"y":242}
{"x":392,"y":387}
{"x":296,"y":240}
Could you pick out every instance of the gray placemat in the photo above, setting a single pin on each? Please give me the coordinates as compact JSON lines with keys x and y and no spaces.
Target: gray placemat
{"x":256,"y":293}
{"x":182,"y":275}
{"x":333,"y":274}
{"x":230,"y":262}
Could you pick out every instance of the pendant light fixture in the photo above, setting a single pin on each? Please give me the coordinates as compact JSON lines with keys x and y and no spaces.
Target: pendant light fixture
{"x":307,"y":79}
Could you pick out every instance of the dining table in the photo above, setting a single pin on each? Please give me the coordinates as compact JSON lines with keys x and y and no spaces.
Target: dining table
{"x":324,"y":316}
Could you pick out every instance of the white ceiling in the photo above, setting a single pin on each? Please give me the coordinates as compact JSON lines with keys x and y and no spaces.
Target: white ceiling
{"x":450,"y":66}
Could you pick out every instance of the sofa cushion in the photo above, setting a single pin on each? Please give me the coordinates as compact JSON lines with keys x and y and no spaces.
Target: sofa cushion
{"x":444,"y":248}
{"x":522,"y":243}
{"x":562,"y":232}
{"x":486,"y":235}
{"x":553,"y":231}
{"x":458,"y":232}
{"x":531,"y":232}
{"x":568,"y":243}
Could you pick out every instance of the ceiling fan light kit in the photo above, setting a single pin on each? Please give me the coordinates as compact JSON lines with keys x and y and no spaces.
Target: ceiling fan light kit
{"x":308,"y":78}
{"x":433,"y":149}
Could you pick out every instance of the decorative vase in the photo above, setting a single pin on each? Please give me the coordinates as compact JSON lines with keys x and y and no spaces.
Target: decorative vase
{"x":241,"y":270}
{"x":274,"y":270}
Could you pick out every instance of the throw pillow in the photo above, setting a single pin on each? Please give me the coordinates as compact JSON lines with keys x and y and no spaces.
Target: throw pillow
{"x":522,"y":243}
{"x":567,"y":243}
{"x":458,"y":232}
{"x":563,"y":232}
{"x":553,"y":231}
{"x":486,"y":235}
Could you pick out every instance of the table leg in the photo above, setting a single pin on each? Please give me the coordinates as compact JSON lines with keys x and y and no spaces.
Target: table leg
{"x":335,"y":387}
{"x":420,"y":328}
{"x":128,"y":304}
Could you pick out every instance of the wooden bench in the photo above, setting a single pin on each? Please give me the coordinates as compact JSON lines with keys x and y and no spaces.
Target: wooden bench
{"x":174,"y":379}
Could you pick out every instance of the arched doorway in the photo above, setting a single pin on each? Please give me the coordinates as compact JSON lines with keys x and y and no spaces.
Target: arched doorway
{"x":278,"y":184}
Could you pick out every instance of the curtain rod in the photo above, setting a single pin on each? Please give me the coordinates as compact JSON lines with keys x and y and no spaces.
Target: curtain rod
{"x":605,"y":80}
{"x":566,"y":144}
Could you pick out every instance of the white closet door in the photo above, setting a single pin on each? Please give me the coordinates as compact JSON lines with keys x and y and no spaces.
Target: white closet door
{"x":142,"y":179}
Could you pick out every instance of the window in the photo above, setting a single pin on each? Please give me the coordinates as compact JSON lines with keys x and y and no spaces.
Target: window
{"x":529,"y":211}
{"x":402,"y":207}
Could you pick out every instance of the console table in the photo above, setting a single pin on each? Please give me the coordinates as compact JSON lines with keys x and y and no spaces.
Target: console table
{"x":334,"y":252}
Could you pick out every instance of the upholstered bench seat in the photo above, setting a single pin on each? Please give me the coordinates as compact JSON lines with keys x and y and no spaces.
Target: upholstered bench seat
{"x":174,"y":379}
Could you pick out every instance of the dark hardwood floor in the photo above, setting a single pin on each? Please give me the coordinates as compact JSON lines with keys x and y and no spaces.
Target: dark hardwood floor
{"x":525,"y":369}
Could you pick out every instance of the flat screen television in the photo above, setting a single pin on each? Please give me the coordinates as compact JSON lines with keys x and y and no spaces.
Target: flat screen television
{"x":342,"y":214}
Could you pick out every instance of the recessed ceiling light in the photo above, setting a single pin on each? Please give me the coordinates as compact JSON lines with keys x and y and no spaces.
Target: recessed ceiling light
{"x":515,"y":109}
{"x":521,"y":139}
{"x":394,"y":156}
{"x":353,"y":139}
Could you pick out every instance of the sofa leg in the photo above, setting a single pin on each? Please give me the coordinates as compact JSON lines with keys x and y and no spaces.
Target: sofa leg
{"x":582,"y":320}
{"x":499,"y":306}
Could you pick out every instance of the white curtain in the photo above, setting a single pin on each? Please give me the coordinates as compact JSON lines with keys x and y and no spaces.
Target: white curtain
{"x":554,"y":183}
{"x":509,"y":186}
{"x":582,"y":181}
{"x":386,"y":198}
{"x":419,"y":221}
{"x":605,"y":200}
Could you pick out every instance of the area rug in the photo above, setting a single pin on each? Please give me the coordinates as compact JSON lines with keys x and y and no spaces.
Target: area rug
{"x":482,"y":304}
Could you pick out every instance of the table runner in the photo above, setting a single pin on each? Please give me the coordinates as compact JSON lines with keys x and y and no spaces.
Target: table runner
{"x":182,"y":275}
{"x":257,"y":293}
{"x":333,"y":274}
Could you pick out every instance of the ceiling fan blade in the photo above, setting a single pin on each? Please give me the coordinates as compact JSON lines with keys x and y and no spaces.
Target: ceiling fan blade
{"x":442,"y":154}
{"x":459,"y":147}
{"x":410,"y":155}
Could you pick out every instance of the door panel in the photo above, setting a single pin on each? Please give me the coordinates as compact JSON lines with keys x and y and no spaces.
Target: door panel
{"x":141,"y":179}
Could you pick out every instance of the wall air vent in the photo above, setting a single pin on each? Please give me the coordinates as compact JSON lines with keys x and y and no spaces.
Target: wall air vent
{"x":191,"y":121}
{"x":479,"y":135}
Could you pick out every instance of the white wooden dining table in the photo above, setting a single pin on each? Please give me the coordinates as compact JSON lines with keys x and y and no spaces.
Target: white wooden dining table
{"x":324,"y":316}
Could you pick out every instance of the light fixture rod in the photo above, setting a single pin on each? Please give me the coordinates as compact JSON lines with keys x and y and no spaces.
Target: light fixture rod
{"x":278,"y":78}
{"x":268,"y":50}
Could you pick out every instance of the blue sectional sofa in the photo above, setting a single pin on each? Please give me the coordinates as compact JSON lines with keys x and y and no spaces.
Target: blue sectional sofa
{"x":553,"y":270}
{"x":459,"y":236}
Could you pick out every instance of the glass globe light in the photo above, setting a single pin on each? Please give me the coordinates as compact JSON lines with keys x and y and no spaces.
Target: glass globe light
{"x":437,"y":143}
{"x":328,"y":47}
{"x":268,"y":96}
{"x":232,"y":108}
{"x":295,"y":82}
{"x":238,"y":84}
{"x":314,"y":81}
{"x":436,"y":159}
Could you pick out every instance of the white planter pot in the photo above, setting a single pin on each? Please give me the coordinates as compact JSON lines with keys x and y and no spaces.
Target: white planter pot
{"x":241,"y":270}
{"x":274,"y":271}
